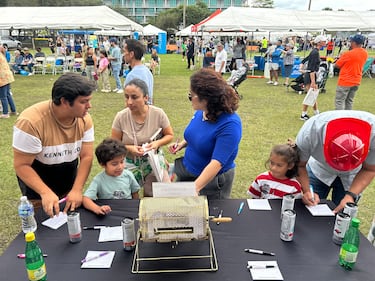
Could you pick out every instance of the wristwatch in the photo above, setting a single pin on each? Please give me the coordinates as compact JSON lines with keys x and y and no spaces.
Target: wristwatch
{"x":353,"y":195}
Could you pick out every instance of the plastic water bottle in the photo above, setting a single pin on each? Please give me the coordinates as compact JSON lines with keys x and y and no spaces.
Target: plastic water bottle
{"x":26,"y":213}
{"x":35,"y":265}
{"x":350,"y":246}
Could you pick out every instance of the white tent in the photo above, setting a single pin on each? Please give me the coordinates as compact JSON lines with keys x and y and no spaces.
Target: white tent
{"x":83,"y":17}
{"x":112,"y":32}
{"x":258,"y":19}
{"x":150,"y":30}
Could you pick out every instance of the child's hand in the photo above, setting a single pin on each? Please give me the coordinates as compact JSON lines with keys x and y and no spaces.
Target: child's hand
{"x":103,"y":210}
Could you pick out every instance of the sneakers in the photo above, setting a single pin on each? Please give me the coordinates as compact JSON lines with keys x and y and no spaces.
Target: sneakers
{"x":115,"y":90}
{"x":121,"y":91}
{"x":14,"y":113}
{"x":105,"y":91}
{"x":276,"y":83}
{"x":270,"y":82}
{"x":304,"y":117}
{"x":3,"y":116}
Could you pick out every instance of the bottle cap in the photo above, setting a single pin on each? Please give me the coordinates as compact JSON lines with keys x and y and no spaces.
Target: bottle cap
{"x":23,"y":198}
{"x":355,"y":222}
{"x":30,"y":236}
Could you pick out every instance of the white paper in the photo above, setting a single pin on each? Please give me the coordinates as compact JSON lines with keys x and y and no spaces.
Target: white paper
{"x":56,"y":221}
{"x":101,"y":262}
{"x":311,"y":97}
{"x":173,"y":189}
{"x":259,"y":204}
{"x":108,"y":234}
{"x":156,"y":165}
{"x":320,"y":210}
{"x":265,"y":273}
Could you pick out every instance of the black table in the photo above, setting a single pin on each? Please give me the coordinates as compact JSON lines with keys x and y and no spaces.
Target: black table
{"x":310,"y":256}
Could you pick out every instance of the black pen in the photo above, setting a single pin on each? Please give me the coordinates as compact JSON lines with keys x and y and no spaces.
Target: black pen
{"x":219,"y":216}
{"x":93,"y":227}
{"x":260,"y":266}
{"x":259,"y":252}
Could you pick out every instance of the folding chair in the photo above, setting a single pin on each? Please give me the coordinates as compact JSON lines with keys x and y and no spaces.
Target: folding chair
{"x":77,"y":65}
{"x":157,"y":67}
{"x":366,"y":71}
{"x":60,"y":64}
{"x":39,"y":65}
{"x":49,"y":65}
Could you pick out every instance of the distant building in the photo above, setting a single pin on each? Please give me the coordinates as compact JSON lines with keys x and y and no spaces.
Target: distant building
{"x":142,"y":10}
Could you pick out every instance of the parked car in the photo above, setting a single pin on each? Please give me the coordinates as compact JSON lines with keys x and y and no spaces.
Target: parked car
{"x":10,"y":42}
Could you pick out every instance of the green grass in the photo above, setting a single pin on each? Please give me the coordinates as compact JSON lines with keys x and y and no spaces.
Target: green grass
{"x":269,"y":114}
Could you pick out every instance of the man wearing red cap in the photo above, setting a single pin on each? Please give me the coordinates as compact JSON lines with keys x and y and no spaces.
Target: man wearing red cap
{"x":351,"y":64}
{"x":337,"y":150}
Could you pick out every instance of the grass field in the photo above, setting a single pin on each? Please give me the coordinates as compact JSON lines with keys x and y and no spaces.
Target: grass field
{"x":270,"y":115}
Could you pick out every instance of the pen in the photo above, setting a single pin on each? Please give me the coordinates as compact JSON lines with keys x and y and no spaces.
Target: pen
{"x":23,"y":256}
{"x":93,"y":227}
{"x":240,"y":208}
{"x":260,"y":266}
{"x":62,"y":200}
{"x":176,"y":144}
{"x":219,"y":216}
{"x":312,"y":193}
{"x":259,"y":252}
{"x":94,"y":257}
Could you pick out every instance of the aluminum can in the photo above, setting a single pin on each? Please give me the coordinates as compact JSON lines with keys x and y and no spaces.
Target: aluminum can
{"x":371,"y":233}
{"x":341,"y":226}
{"x":128,"y":232}
{"x":351,"y":209}
{"x":74,"y":227}
{"x":287,"y":225}
{"x":288,"y":203}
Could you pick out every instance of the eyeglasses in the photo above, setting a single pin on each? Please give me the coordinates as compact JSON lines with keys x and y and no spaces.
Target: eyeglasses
{"x":190,"y":96}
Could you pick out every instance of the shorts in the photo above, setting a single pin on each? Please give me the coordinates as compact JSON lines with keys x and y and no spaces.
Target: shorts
{"x":307,"y":79}
{"x":274,"y":66}
{"x":288,"y":69}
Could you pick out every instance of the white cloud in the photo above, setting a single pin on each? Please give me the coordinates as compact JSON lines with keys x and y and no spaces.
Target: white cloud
{"x":321,"y":4}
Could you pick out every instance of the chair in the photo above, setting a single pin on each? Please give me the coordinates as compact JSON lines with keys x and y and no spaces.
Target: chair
{"x":157,"y":67}
{"x":39,"y":65}
{"x":60,"y":66}
{"x":366,"y":71}
{"x":69,"y":61}
{"x":49,"y":65}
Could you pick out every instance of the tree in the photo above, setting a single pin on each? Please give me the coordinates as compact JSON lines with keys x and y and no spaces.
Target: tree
{"x":262,"y":4}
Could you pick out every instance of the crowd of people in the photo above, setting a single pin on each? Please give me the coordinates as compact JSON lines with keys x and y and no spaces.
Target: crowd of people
{"x":54,"y":139}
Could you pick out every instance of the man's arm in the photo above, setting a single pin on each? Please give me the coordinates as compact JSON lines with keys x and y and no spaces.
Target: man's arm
{"x":74,"y":198}
{"x":22,"y":165}
{"x":359,"y":184}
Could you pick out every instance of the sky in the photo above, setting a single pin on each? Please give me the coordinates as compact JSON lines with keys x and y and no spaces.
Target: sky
{"x":355,"y":5}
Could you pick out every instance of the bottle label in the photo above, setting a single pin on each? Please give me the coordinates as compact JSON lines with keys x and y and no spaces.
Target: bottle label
{"x":348,"y":256}
{"x":25,"y":212}
{"x":37,"y":274}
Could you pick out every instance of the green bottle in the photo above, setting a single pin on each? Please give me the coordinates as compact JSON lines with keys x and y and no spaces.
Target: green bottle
{"x":35,"y":266}
{"x":350,"y":246}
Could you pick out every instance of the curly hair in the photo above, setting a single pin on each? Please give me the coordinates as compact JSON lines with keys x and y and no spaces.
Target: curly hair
{"x":108,"y":149}
{"x":211,"y":87}
{"x":290,"y":154}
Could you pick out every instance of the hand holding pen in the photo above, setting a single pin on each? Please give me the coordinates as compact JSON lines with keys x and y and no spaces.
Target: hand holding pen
{"x":175,"y":147}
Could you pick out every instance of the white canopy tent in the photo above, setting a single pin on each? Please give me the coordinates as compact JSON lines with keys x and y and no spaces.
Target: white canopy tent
{"x":113,"y":32}
{"x":150,"y":30}
{"x":83,"y":17}
{"x":258,"y":19}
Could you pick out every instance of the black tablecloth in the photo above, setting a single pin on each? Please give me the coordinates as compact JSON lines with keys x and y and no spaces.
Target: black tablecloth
{"x":310,"y":256}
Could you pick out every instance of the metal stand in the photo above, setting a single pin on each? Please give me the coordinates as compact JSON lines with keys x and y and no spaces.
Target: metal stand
{"x":211,"y":256}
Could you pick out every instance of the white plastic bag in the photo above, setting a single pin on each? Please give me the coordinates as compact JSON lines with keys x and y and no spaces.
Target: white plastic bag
{"x":311,"y":97}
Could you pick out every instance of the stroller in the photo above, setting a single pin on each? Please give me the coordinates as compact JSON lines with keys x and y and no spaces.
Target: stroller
{"x":238,"y":76}
{"x":321,"y":79}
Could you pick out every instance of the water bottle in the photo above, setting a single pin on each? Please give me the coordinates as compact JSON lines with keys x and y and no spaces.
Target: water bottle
{"x":26,"y":213}
{"x":35,"y":265}
{"x":350,"y":246}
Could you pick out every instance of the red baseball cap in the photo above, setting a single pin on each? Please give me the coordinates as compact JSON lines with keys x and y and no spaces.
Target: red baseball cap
{"x":346,"y":143}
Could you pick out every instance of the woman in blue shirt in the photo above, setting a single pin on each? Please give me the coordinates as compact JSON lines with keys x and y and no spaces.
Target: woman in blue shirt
{"x":212,"y":137}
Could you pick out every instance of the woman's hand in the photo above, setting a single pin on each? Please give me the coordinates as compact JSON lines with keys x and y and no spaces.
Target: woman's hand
{"x":135,"y":150}
{"x":176,"y":147}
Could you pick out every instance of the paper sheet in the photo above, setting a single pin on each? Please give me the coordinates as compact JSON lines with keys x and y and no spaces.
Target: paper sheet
{"x":101,"y":262}
{"x":173,"y":189}
{"x":56,"y":221}
{"x":265,"y":273}
{"x":259,"y":204}
{"x":108,"y":234}
{"x":320,"y":210}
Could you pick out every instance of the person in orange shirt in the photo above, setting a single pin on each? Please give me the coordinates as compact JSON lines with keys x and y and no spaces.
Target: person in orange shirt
{"x":350,"y":64}
{"x":330,"y":46}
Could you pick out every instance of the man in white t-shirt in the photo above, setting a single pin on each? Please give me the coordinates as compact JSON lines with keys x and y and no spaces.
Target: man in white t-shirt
{"x":220,"y":59}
